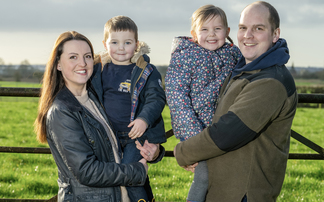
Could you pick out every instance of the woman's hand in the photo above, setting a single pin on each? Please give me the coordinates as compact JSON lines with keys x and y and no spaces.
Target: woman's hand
{"x":138,"y":128}
{"x":149,"y":151}
{"x":143,"y":161}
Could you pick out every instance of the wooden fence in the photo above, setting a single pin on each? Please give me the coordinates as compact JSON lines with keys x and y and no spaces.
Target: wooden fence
{"x":35,"y":92}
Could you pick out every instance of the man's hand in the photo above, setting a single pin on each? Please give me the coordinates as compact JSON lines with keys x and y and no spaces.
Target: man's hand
{"x":139,"y":127}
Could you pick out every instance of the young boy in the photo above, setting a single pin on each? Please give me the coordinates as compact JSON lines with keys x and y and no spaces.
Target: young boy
{"x":132,"y":93}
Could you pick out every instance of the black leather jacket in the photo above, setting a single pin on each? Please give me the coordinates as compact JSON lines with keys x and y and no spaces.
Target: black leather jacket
{"x":83,"y":153}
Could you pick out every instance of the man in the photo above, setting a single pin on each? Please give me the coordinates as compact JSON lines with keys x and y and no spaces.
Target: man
{"x":247,"y":145}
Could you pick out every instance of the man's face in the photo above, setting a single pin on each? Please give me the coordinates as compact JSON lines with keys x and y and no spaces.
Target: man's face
{"x":255,"y":36}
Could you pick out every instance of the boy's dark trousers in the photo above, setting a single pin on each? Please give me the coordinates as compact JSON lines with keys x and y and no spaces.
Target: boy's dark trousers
{"x":130,"y":155}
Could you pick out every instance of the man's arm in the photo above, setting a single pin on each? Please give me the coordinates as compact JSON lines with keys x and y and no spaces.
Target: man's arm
{"x":257,"y":105}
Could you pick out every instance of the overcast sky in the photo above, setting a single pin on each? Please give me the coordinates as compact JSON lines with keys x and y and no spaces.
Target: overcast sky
{"x":29,"y":28}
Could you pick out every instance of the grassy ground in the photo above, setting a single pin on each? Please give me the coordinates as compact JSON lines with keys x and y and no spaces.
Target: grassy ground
{"x":19,"y":84}
{"x":308,"y":82}
{"x":34,"y":176}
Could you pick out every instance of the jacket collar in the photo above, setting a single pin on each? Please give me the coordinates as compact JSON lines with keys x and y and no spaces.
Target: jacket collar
{"x":278,"y":54}
{"x":66,"y":96}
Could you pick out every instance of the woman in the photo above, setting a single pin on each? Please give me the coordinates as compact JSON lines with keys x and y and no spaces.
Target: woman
{"x":73,"y":122}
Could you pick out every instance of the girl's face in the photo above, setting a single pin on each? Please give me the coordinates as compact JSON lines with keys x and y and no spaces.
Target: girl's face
{"x":211,"y":34}
{"x":76,"y":65}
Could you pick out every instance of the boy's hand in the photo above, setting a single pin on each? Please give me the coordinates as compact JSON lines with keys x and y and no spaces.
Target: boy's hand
{"x":139,"y":127}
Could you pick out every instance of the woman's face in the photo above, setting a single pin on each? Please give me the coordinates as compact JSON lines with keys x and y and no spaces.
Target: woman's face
{"x":76,"y":65}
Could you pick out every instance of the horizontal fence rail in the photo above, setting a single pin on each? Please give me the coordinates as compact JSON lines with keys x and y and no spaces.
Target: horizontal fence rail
{"x":53,"y":199}
{"x":302,"y":98}
{"x":20,"y":92}
{"x":35,"y":92}
{"x":294,"y":134}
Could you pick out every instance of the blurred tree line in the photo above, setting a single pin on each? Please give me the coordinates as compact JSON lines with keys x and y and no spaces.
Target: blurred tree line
{"x":23,"y":72}
{"x":303,"y":73}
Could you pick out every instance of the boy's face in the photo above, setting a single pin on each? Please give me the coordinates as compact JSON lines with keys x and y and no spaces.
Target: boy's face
{"x":121,"y":47}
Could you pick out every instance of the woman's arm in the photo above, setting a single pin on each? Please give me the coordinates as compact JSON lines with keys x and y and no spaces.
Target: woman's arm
{"x":67,"y":136}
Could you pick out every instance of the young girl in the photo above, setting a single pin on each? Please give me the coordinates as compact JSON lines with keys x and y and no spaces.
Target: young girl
{"x":197,"y":69}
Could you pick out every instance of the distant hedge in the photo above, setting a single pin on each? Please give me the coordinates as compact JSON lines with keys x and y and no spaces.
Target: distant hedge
{"x":310,"y":89}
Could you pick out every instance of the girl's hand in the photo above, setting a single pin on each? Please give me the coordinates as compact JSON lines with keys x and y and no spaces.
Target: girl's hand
{"x":139,"y":127}
{"x":149,"y":151}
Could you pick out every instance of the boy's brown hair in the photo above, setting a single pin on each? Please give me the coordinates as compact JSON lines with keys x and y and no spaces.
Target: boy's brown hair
{"x":120,"y":23}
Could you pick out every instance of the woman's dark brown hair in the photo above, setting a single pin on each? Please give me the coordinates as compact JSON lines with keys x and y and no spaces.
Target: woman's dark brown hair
{"x":53,"y":81}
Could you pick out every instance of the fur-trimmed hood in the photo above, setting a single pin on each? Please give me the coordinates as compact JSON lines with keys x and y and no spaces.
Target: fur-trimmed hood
{"x":104,"y":58}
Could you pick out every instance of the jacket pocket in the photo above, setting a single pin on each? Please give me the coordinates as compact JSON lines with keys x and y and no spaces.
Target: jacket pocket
{"x":65,"y":191}
{"x":84,"y":193}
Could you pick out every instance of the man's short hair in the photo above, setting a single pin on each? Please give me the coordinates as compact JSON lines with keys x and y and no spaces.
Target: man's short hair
{"x":274,"y":19}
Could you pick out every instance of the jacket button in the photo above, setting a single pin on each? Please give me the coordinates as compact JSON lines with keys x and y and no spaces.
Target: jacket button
{"x":92,"y":141}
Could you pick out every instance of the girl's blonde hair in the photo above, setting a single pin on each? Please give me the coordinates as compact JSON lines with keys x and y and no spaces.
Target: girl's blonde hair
{"x":204,"y":13}
{"x":53,"y":81}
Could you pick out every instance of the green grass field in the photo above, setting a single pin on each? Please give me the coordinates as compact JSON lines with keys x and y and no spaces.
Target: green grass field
{"x":309,"y":82}
{"x":33,"y":176}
